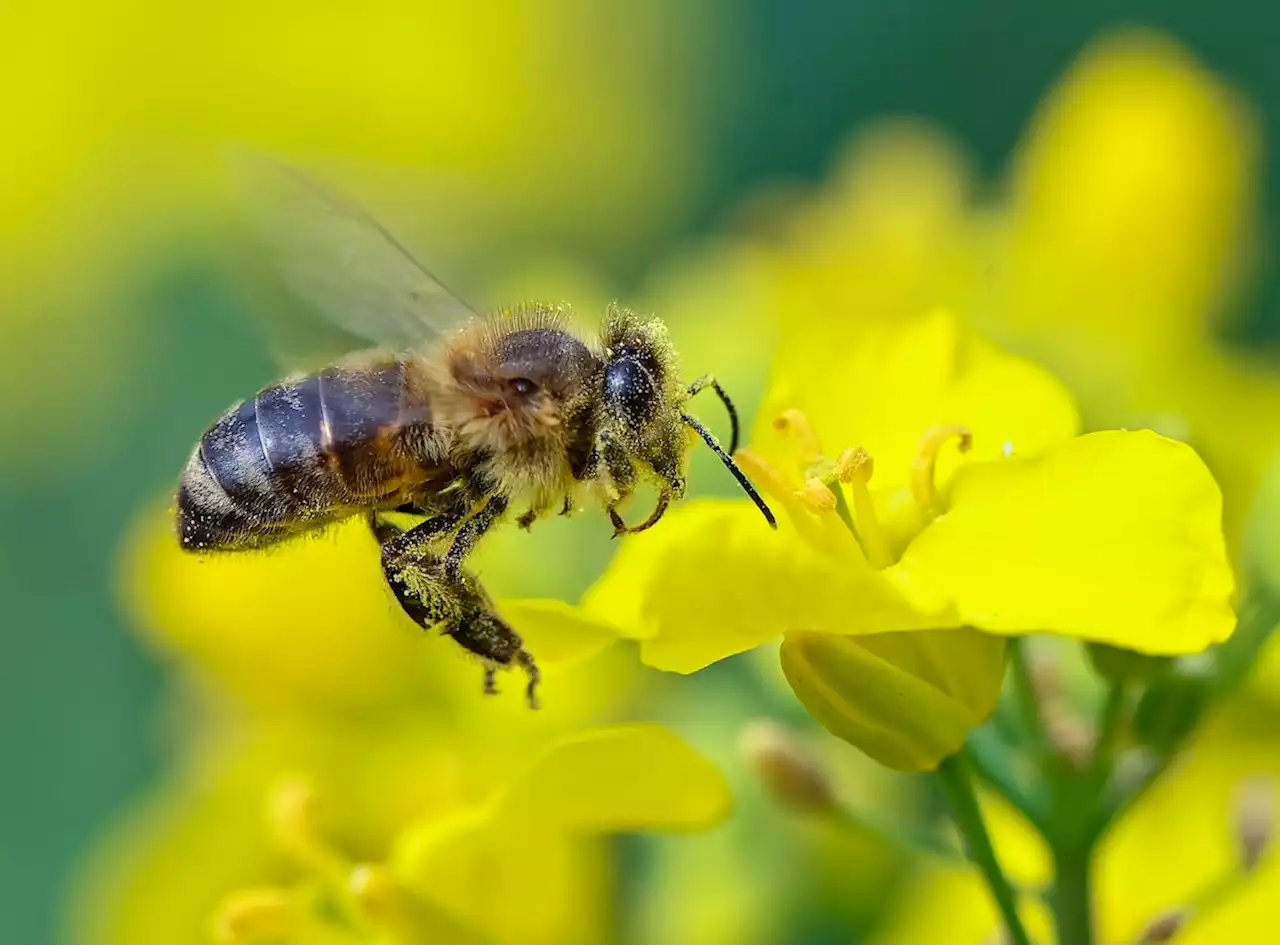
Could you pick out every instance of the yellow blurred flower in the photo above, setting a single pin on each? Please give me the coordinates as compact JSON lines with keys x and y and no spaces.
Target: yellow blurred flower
{"x":436,"y":800}
{"x":1128,"y":226}
{"x":1027,"y":528}
{"x":524,"y":117}
{"x":1122,"y":236}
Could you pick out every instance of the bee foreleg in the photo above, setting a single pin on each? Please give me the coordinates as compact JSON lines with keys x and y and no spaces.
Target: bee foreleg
{"x":461,"y":609}
{"x":470,"y":533}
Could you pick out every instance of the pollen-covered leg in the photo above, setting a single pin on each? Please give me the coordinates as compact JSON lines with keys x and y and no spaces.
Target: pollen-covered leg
{"x":459,"y":607}
{"x":472,"y":530}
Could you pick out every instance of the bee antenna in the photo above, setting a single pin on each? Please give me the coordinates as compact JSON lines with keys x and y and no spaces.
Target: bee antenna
{"x":703,"y":383}
{"x":738,"y":474}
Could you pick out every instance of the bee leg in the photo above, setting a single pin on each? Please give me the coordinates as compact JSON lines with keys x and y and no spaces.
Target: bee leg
{"x":461,"y":609}
{"x":396,"y":541}
{"x":470,"y":533}
{"x":527,"y":519}
{"x":567,"y":508}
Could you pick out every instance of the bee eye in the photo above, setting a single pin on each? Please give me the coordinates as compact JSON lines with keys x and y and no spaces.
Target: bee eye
{"x":522,"y":386}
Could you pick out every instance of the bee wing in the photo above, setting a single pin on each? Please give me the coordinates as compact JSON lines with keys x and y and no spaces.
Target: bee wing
{"x":341,"y":262}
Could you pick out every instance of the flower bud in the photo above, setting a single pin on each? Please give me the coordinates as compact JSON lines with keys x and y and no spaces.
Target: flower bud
{"x":1255,"y":820}
{"x":1171,"y":707}
{"x":786,"y":769}
{"x":1165,"y":926}
{"x":908,"y":700}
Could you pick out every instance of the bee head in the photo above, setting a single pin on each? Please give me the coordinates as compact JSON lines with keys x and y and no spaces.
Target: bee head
{"x":645,"y":423}
{"x":640,"y":404}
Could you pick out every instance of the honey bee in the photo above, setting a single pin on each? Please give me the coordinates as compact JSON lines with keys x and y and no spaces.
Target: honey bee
{"x":453,"y":416}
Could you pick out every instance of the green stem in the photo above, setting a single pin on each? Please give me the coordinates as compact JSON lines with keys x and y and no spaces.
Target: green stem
{"x":993,"y":765}
{"x":1072,"y":899}
{"x":1110,"y":724}
{"x":957,"y":781}
{"x":1024,"y":690}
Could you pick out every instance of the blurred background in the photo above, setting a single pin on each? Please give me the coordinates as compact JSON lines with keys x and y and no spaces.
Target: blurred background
{"x":535,"y":148}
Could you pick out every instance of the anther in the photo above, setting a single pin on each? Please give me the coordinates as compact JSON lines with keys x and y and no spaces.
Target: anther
{"x":251,"y":916}
{"x":816,"y":494}
{"x":794,"y":424}
{"x":854,"y":464}
{"x":926,"y":462}
{"x":374,"y":890}
{"x":291,"y":814}
{"x":854,"y":468}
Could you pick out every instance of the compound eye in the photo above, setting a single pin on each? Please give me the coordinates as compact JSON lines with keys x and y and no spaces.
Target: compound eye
{"x":629,"y":390}
{"x":522,"y":386}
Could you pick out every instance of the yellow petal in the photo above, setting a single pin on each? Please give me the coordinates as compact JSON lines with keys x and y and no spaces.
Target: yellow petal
{"x":556,"y":632}
{"x":631,"y":777}
{"x":516,"y":883}
{"x":908,"y":700}
{"x":882,"y":391}
{"x":714,"y":580}
{"x":1115,"y":537}
{"x":521,"y":869}
{"x":311,"y":621}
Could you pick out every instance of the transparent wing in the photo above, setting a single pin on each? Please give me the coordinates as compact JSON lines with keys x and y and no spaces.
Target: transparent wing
{"x":341,"y":262}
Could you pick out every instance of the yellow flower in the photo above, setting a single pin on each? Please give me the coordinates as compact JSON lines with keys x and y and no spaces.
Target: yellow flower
{"x":126,"y":111}
{"x":1131,"y":196}
{"x":1112,"y":536}
{"x":301,"y":662}
{"x":1129,"y":223}
{"x":469,"y":852}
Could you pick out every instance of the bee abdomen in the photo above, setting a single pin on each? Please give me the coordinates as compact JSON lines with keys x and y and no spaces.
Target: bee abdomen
{"x":297,"y":456}
{"x":258,"y":472}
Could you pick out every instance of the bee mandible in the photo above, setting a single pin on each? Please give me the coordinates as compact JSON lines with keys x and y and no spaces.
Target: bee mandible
{"x":452,"y":416}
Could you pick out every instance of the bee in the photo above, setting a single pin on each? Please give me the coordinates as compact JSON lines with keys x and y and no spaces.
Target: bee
{"x":452,"y":416}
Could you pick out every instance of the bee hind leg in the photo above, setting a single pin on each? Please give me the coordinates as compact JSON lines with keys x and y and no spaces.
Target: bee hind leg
{"x":460,"y":608}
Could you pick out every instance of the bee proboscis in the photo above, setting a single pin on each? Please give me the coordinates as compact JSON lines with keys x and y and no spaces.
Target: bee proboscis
{"x":453,"y":416}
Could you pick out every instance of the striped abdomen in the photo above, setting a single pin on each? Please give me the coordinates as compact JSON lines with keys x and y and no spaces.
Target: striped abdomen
{"x":304,"y":453}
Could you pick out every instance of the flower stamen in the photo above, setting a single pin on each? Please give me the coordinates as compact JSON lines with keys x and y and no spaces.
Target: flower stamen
{"x":291,"y":814}
{"x":854,"y":468}
{"x":817,"y":495}
{"x":795,"y":425}
{"x":923,"y":467}
{"x":253,"y":915}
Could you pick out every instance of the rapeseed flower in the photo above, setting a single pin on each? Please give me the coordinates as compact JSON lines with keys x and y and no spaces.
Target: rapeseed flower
{"x":442,"y":815}
{"x":1124,"y":241}
{"x":1021,"y":526}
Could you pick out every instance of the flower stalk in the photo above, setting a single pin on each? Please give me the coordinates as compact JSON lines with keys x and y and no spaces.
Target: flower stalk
{"x":955,"y":776}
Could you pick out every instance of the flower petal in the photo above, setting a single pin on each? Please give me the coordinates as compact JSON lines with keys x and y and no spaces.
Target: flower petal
{"x":512,"y":882}
{"x":899,"y":379}
{"x":714,"y":580}
{"x":556,"y":632}
{"x":908,"y":700}
{"x":1115,"y":537}
{"x":627,"y":778}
